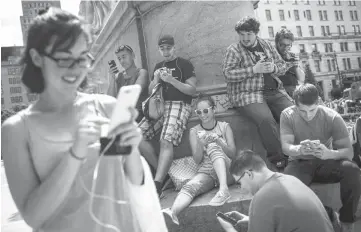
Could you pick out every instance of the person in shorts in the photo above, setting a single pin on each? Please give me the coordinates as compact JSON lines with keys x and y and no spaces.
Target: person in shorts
{"x":178,"y":87}
{"x":213,"y":147}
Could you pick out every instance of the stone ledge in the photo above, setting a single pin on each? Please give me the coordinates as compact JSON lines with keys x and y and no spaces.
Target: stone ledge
{"x":200,"y":216}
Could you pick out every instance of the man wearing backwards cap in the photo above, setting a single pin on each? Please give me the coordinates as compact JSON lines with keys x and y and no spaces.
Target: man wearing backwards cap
{"x":178,"y":87}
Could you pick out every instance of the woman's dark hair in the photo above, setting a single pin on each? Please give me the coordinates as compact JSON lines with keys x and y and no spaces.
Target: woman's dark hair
{"x":247,"y":24}
{"x":207,"y":98}
{"x":51,"y":25}
{"x":284,"y":34}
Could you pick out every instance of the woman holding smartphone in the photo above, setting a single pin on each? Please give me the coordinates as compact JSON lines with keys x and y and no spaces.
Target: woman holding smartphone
{"x":51,"y":149}
{"x":213,"y":147}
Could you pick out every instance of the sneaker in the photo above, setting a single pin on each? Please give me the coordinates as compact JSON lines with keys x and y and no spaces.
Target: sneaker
{"x":220,"y":198}
{"x":172,"y":216}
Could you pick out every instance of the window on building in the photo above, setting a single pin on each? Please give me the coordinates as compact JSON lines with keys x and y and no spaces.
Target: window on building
{"x":346,"y":63}
{"x":320,"y":15}
{"x":333,"y":65}
{"x":297,"y":15}
{"x":328,"y":47}
{"x":344,"y":46}
{"x":325,"y":15}
{"x":358,"y":29}
{"x":16,"y":99}
{"x":299,"y":31}
{"x":268,"y":15}
{"x":359,"y":61}
{"x":329,"y":65}
{"x":281,"y":2}
{"x":352,"y":3}
{"x":15,"y":90}
{"x":358,"y":46}
{"x":355,"y":15}
{"x":302,"y":48}
{"x":308,"y":15}
{"x":32,"y":97}
{"x":2,"y":101}
{"x":295,"y":2}
{"x":323,"y":29}
{"x":328,"y":30}
{"x":284,"y":27}
{"x":271,"y":32}
{"x":282,"y":15}
{"x":267,"y":1}
{"x":321,"y":2}
{"x":351,"y":15}
{"x":317,"y":66}
{"x":307,"y":2}
{"x":314,"y":48}
{"x":11,"y":71}
{"x":337,"y":2}
{"x":343,"y":31}
{"x":311,"y":31}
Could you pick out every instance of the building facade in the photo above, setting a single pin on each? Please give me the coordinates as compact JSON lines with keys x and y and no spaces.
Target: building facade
{"x":327,"y":36}
{"x":31,"y":10}
{"x":13,"y":92}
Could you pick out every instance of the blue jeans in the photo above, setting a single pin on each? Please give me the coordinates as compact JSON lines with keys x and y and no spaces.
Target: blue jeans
{"x":332,"y":171}
{"x":266,"y":115}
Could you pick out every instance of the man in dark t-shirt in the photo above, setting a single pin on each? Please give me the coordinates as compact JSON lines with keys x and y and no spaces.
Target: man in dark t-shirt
{"x":177,"y":77}
{"x":294,"y":75}
{"x":317,"y":142}
{"x":280,"y":203}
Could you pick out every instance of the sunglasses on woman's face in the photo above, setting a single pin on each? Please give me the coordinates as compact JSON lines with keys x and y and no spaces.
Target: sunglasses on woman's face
{"x":204,"y":111}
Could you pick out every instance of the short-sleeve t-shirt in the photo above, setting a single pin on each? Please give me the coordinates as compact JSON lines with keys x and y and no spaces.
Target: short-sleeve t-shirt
{"x":182,"y":70}
{"x":285,"y":204}
{"x":326,"y":126}
{"x":257,"y":55}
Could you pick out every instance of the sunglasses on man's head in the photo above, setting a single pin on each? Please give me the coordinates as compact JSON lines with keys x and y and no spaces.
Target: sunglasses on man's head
{"x":123,"y":47}
{"x":204,"y":111}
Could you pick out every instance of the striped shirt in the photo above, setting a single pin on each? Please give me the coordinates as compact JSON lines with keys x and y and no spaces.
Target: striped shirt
{"x":243,"y":86}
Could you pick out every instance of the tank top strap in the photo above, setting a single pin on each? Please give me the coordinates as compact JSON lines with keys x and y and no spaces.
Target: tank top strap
{"x":25,"y":120}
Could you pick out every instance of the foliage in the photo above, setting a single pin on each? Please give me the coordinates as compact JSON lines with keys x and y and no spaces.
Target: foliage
{"x":310,"y":78}
{"x":6,"y":113}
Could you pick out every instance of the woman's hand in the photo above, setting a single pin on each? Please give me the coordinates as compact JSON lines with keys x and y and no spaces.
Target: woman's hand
{"x":88,"y":132}
{"x":130,"y":133}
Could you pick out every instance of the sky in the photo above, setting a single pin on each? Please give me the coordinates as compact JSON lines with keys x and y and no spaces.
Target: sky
{"x":10,"y":12}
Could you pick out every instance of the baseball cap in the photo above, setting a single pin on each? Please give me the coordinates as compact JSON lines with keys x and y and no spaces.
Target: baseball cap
{"x":166,"y":39}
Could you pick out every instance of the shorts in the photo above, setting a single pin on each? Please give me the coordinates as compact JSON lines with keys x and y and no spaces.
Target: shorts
{"x":173,"y":123}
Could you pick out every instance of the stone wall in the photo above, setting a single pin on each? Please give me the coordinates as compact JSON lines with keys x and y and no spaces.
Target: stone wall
{"x":202,"y":31}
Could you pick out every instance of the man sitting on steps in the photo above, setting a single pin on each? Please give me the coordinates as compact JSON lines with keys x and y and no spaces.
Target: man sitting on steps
{"x":251,"y":68}
{"x":317,"y":142}
{"x":281,"y":203}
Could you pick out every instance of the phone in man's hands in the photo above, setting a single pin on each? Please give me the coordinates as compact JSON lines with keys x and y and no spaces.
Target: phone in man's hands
{"x":227,"y":218}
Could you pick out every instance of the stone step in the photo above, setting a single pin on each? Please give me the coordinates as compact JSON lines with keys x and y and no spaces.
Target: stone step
{"x":201,"y":217}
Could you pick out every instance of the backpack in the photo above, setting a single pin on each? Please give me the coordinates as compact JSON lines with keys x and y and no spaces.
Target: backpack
{"x":153,"y":106}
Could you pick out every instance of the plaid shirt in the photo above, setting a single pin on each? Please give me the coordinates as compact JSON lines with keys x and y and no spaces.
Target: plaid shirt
{"x":243,"y":86}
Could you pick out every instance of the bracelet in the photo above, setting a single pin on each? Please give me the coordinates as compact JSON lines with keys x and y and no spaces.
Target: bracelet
{"x":74,"y":156}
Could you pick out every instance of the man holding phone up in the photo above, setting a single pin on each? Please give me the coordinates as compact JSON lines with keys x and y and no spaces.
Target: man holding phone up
{"x":317,"y":142}
{"x":281,"y":203}
{"x":179,"y":84}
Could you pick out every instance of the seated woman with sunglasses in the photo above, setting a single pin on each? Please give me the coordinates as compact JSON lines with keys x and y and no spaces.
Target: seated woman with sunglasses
{"x":51,"y":149}
{"x":213,"y":147}
{"x":130,"y":76}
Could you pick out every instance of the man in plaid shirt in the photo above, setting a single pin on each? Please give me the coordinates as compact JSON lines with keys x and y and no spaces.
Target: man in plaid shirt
{"x":251,"y":68}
